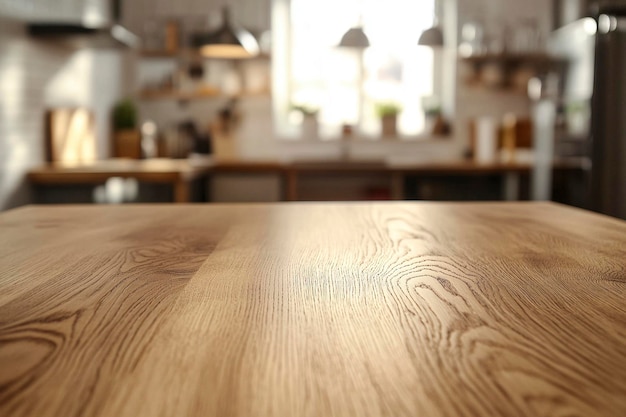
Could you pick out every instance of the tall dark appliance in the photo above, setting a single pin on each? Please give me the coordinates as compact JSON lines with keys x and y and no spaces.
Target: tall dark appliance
{"x":608,"y":114}
{"x":595,"y":78}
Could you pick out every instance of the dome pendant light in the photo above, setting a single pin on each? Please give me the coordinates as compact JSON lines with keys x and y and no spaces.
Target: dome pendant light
{"x":355,"y":38}
{"x":226,"y":42}
{"x":433,"y":36}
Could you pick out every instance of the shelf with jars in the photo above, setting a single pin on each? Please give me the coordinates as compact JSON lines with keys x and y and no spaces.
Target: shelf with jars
{"x":202,"y":94}
{"x":171,"y":66}
{"x":506,"y":55}
{"x":185,"y":76}
{"x":510,"y":70}
{"x":178,"y":53}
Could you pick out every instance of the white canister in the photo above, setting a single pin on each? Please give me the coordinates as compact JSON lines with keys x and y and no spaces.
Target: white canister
{"x":485,"y":150}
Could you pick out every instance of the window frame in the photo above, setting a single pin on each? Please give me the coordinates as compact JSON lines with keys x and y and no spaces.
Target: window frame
{"x":444,"y":69}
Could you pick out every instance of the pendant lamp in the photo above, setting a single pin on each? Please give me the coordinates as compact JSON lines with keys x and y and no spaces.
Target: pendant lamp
{"x":355,"y":38}
{"x":226,"y":42}
{"x":433,"y":36}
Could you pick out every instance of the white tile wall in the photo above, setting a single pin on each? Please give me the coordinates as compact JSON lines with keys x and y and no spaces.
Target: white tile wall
{"x":67,"y":10}
{"x":35,"y":76}
{"x":252,"y":14}
{"x":25,"y":69}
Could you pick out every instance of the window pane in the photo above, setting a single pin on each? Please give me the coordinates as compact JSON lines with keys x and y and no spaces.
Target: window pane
{"x":346,"y":85}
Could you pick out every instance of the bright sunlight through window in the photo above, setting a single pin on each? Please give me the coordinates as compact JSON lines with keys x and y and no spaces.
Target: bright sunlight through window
{"x":347,"y":86}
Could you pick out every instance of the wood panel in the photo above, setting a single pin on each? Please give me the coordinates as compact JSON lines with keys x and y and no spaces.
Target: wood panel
{"x":372,"y":309}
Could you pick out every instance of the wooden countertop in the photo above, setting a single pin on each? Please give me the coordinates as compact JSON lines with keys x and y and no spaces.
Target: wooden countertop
{"x":452,"y":167}
{"x":369,"y":309}
{"x":171,"y":170}
{"x":180,"y":172}
{"x":155,"y":170}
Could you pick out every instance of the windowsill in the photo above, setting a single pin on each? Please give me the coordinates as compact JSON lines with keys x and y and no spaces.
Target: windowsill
{"x":368,"y":139}
{"x":424,"y":148}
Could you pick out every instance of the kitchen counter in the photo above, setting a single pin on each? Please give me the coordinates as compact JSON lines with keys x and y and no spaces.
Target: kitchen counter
{"x":180,"y":173}
{"x":370,"y":309}
{"x":177,"y":172}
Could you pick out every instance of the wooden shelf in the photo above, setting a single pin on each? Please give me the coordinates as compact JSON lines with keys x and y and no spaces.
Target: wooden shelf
{"x":510,"y":70}
{"x":534,"y":59}
{"x":191,"y":52}
{"x":160,"y":54}
{"x":193,"y":95}
{"x":178,"y":95}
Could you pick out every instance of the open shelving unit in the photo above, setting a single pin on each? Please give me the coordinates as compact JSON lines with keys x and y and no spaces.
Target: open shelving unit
{"x":190,"y":52}
{"x":193,"y":95}
{"x":510,"y":64}
{"x":203,"y":93}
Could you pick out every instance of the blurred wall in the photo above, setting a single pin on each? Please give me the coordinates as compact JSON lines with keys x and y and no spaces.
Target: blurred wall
{"x":36,"y":76}
{"x":25,"y":70}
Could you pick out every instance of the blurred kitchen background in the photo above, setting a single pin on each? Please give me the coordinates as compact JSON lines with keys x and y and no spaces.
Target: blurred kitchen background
{"x":321,"y":100}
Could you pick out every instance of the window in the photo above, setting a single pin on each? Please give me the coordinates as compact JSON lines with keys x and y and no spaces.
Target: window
{"x":347,"y":86}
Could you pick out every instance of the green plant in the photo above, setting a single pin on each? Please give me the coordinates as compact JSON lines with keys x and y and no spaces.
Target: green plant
{"x":306,"y":110}
{"x":575,"y":106}
{"x":387,"y":109}
{"x":124,"y":115}
{"x":433,"y":111}
{"x":431,"y":106}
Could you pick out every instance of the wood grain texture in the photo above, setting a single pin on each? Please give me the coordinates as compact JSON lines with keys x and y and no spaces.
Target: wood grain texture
{"x":379,"y":309}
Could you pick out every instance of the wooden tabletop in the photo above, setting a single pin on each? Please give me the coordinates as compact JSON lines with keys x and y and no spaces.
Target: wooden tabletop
{"x":368,"y":309}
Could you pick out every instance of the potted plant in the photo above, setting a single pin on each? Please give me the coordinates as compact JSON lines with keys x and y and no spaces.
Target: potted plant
{"x":126,"y":136}
{"x":434,"y":122}
{"x":388,"y":113}
{"x":309,"y":120}
{"x":432,"y":115}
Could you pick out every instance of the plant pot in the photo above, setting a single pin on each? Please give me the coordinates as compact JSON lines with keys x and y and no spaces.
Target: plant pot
{"x":127,"y":144}
{"x":389,"y":125}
